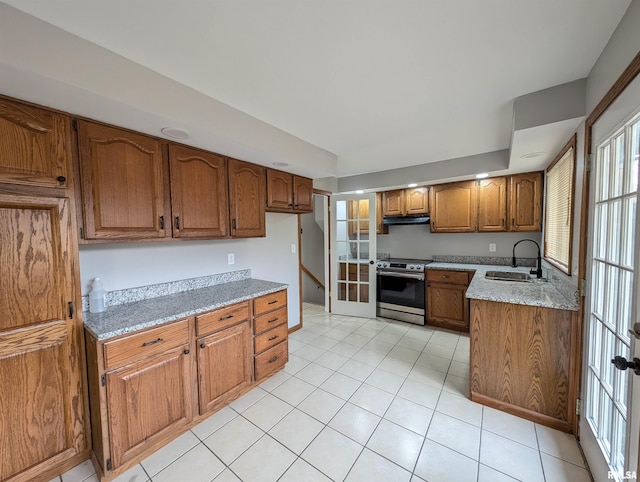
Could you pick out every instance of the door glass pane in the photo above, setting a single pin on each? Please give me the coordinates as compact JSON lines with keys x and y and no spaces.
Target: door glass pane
{"x":593,"y":401}
{"x":595,"y":343}
{"x":605,"y":422}
{"x":611,"y":296}
{"x":607,"y":368}
{"x":600,"y":243}
{"x":617,"y":166}
{"x":617,"y":453}
{"x":629,"y":231}
{"x":621,"y":378}
{"x":632,"y":168}
{"x":597,"y":300}
{"x":341,"y":210}
{"x":613,"y":246}
{"x":602,"y":174}
{"x":624,"y":310}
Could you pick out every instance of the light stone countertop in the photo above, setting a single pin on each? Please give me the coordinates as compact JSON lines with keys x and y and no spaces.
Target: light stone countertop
{"x":130,"y":317}
{"x":534,"y":293}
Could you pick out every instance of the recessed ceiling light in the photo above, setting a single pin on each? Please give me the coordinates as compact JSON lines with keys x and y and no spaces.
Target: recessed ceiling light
{"x":413,"y":184}
{"x":532,"y":155}
{"x":175,"y":132}
{"x":359,"y":191}
{"x":280,"y":164}
{"x":482,"y":175}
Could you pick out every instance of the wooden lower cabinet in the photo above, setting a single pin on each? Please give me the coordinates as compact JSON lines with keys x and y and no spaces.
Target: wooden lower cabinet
{"x":270,"y":333}
{"x":148,"y":387}
{"x":147,"y":401}
{"x":524,"y":361}
{"x":224,"y":366}
{"x":447,"y":305}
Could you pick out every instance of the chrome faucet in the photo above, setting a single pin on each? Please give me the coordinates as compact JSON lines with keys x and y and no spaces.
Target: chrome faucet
{"x":538,"y":271}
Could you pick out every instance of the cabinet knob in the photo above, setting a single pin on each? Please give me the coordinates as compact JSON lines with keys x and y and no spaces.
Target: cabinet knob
{"x":186,"y":352}
{"x":61,"y":179}
{"x":202,"y":345}
{"x":161,"y":222}
{"x":177,"y":222}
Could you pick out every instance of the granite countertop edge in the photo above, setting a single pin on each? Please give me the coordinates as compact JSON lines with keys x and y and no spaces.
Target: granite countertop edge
{"x":535,"y":293}
{"x":139,"y":315}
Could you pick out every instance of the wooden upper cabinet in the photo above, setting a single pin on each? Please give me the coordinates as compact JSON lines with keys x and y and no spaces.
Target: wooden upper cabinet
{"x":416,"y":201}
{"x":199,"y":193}
{"x":393,"y":203}
{"x":279,"y":190}
{"x":41,"y":360}
{"x":247,"y":192}
{"x":381,"y":228}
{"x":525,"y":202}
{"x":35,"y":146}
{"x":123,"y":184}
{"x":453,"y":207}
{"x":405,"y":202}
{"x":302,"y":194}
{"x":492,"y":204}
{"x":288,"y":193}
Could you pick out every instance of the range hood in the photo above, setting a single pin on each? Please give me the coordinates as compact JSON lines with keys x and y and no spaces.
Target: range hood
{"x":399,"y":220}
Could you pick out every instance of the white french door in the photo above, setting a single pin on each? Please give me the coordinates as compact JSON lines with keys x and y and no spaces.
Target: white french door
{"x":353,"y":254}
{"x":609,"y":427}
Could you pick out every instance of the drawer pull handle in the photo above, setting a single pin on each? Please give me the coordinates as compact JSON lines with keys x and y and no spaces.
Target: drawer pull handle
{"x":186,"y":352}
{"x":273,"y":338}
{"x":272,"y":320}
{"x":226,"y":318}
{"x":202,"y":345}
{"x":149,"y":343}
{"x":272,"y":302}
{"x":275,"y":358}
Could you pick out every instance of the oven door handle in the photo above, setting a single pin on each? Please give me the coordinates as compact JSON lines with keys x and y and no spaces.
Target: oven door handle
{"x":394,"y":274}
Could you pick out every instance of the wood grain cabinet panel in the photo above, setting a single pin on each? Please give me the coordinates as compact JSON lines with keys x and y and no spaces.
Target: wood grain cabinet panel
{"x":124,"y":180}
{"x":393,"y":203}
{"x":447,"y":305}
{"x":36,"y":146}
{"x":288,"y":192}
{"x":42,"y":403}
{"x":523,"y":361}
{"x":492,"y":204}
{"x":525,"y":202}
{"x":199,"y":193}
{"x":416,"y":201}
{"x":381,"y":228}
{"x":454,"y":207}
{"x":147,"y":401}
{"x":247,"y":192}
{"x":225,"y":367}
{"x":270,"y":330}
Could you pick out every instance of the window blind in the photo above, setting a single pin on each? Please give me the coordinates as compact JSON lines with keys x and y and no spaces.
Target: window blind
{"x":559,"y":212}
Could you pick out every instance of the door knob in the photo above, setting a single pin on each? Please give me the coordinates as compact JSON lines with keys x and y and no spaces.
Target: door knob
{"x":371,"y":262}
{"x":621,"y":363}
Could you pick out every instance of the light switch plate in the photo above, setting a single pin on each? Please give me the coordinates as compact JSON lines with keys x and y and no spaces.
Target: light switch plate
{"x":294,"y":248}
{"x":231,"y":258}
{"x":492,"y":247}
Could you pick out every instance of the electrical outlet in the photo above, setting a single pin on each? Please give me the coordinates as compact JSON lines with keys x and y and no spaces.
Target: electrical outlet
{"x":231,"y":258}
{"x":294,"y":248}
{"x":492,"y":247}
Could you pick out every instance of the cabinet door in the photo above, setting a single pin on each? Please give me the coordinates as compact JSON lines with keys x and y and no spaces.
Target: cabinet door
{"x":453,"y":207}
{"x":147,"y":401}
{"x":199,"y":195}
{"x":41,"y":395}
{"x":302,"y":194}
{"x":525,"y":202}
{"x":225,"y":365}
{"x":416,"y":201}
{"x":447,"y":306}
{"x":279,"y":190}
{"x":123,"y":184}
{"x":247,"y":186}
{"x":393,"y":203}
{"x":35,"y":147}
{"x":380,"y":227}
{"x":492,"y":204}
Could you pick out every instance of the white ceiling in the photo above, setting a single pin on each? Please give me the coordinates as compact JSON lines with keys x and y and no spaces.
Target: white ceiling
{"x":380,"y":84}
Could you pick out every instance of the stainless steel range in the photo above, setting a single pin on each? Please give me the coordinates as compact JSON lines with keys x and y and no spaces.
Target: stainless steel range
{"x":401,"y":289}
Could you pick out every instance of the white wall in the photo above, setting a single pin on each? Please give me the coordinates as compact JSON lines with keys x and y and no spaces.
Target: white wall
{"x":416,"y":241}
{"x":130,"y":265}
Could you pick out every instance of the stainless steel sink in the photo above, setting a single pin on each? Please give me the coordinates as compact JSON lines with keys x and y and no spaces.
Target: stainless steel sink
{"x":508,"y":276}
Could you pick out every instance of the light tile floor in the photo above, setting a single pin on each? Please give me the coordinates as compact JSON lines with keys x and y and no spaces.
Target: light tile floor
{"x":362,"y":400}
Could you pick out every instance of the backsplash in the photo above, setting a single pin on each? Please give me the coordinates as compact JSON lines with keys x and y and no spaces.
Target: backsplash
{"x":119,"y":297}
{"x":490,"y":260}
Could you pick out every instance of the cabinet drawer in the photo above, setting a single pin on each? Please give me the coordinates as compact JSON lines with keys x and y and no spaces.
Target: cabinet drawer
{"x":222,"y":318}
{"x":140,"y":345}
{"x":271,"y":338}
{"x":269,"y":321}
{"x":271,"y":302}
{"x":272,"y":360}
{"x":447,"y":276}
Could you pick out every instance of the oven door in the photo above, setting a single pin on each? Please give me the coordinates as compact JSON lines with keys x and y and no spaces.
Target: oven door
{"x":401,"y":296}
